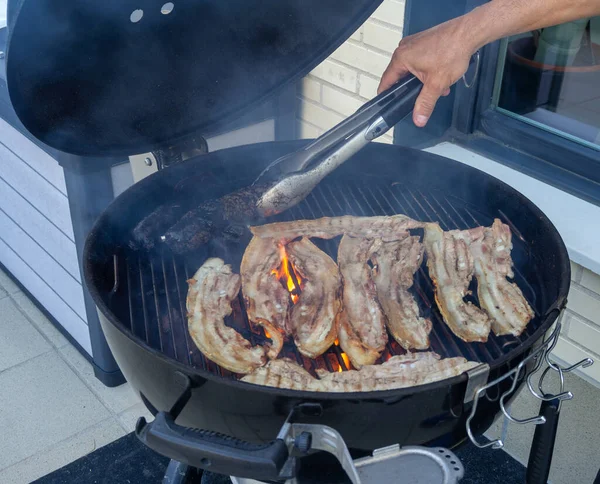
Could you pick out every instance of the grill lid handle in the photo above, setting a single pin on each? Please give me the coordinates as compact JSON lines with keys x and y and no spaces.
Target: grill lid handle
{"x":211,"y":450}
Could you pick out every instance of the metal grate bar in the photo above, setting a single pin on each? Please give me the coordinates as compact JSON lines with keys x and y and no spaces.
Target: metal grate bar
{"x":144,"y":305}
{"x":172,"y":328}
{"x":181,"y":297}
{"x":157,"y":292}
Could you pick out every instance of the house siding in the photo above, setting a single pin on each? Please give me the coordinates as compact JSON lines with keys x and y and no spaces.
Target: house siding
{"x":36,"y":233}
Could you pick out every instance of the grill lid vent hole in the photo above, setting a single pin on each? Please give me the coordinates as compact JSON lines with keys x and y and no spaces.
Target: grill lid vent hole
{"x":136,"y":16}
{"x":167,"y":8}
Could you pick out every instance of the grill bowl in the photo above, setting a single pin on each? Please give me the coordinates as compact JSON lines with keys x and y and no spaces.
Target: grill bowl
{"x":141,"y":296}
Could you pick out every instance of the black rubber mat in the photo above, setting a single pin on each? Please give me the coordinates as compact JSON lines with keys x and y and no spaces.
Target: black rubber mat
{"x":128,"y":461}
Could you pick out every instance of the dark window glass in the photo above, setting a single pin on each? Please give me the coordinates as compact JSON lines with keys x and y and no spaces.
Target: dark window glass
{"x":551,"y":78}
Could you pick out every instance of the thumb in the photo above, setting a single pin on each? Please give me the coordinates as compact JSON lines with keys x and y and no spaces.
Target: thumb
{"x":425,"y":104}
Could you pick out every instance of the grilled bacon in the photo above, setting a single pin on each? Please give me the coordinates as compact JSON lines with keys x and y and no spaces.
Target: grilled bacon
{"x":394,"y":266}
{"x":386,"y":228}
{"x":312,"y":318}
{"x":502,"y":300}
{"x":146,"y":233}
{"x":225,"y":218}
{"x":401,"y":371}
{"x":361,"y":323}
{"x":266,"y":300}
{"x":283,"y":373}
{"x":211,"y":291}
{"x":451,"y":268}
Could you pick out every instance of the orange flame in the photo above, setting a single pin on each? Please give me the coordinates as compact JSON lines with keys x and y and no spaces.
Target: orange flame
{"x":346,"y":360}
{"x":285,"y":276}
{"x":336,"y":342}
{"x":267,"y":334}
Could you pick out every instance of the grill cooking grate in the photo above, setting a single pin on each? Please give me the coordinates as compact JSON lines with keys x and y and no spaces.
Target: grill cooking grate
{"x":152,"y":301}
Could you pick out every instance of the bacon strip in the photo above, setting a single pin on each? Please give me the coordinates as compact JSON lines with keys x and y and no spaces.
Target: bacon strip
{"x":387,"y":228}
{"x":211,"y":291}
{"x":361,"y":324}
{"x":402,"y":371}
{"x":312,"y":319}
{"x":266,"y":300}
{"x":451,"y":267}
{"x":502,"y":300}
{"x":394,"y":267}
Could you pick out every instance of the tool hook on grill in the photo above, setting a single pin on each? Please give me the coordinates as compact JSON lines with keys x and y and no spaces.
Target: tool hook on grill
{"x":540,"y":355}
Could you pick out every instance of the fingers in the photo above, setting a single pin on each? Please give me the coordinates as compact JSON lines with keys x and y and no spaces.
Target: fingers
{"x":426,"y":103}
{"x":394,"y":71}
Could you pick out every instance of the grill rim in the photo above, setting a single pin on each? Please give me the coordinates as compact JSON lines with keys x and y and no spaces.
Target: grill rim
{"x":546,"y":320}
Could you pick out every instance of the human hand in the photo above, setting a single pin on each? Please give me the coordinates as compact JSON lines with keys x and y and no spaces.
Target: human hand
{"x":438,"y":57}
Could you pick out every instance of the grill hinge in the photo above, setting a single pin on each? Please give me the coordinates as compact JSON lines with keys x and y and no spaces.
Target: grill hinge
{"x":477,"y":378}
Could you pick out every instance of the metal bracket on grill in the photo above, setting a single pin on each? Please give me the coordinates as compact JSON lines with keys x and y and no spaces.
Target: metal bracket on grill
{"x":188,"y":148}
{"x":434,"y":465}
{"x":478,"y":377}
{"x":539,"y":355}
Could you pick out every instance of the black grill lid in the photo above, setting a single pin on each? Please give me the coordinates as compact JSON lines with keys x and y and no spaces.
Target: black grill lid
{"x":85,"y":79}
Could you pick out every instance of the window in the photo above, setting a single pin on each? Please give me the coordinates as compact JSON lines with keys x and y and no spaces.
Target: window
{"x":551,"y":79}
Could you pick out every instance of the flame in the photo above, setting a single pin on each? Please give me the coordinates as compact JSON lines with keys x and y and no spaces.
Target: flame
{"x":340,"y":369}
{"x":267,"y":334}
{"x":336,"y":342}
{"x":346,"y":360}
{"x":285,"y":276}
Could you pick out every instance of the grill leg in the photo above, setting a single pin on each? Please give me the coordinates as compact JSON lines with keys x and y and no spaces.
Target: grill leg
{"x":180,"y":473}
{"x":90,"y":190}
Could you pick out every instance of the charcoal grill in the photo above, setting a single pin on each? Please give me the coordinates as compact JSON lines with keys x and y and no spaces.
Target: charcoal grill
{"x":169,"y":76}
{"x":141,"y":297}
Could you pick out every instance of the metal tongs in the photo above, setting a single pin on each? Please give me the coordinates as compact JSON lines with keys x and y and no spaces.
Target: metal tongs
{"x":296,"y":174}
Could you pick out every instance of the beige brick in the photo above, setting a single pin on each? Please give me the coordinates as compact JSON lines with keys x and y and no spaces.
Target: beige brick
{"x":368,"y":86}
{"x":319,"y":116}
{"x":381,"y":37}
{"x":340,"y":101}
{"x":584,"y":304}
{"x":576,"y":271}
{"x":361,"y":58}
{"x":386,"y":138}
{"x":390,"y":12}
{"x":336,"y":74}
{"x":311,"y":89}
{"x":358,"y":34}
{"x":306,"y":130}
{"x":591,"y":281}
{"x":571,"y":353}
{"x":584,"y":334}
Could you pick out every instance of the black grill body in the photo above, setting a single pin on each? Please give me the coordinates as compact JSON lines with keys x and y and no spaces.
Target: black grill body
{"x":141,"y":295}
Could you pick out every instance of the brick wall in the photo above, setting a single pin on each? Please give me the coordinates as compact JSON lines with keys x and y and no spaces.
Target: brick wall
{"x":349,"y":77}
{"x":581,"y":322}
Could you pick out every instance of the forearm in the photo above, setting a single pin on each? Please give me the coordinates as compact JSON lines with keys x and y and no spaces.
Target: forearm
{"x":502,"y":18}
